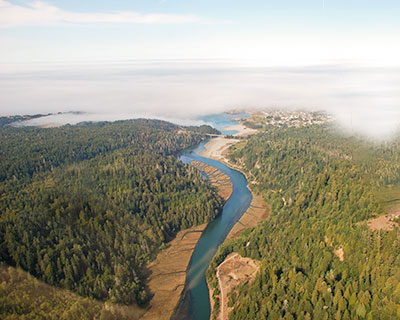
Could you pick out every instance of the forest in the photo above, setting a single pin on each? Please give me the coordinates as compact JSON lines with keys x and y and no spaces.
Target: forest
{"x":86,"y":207}
{"x":319,"y":259}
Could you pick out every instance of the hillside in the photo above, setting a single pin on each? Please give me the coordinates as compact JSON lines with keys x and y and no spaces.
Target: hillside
{"x":86,"y":207}
{"x":318,"y":257}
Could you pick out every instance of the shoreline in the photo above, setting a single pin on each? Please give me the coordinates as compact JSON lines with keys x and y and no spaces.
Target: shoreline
{"x":257,"y":212}
{"x":169,"y":270}
{"x":168,"y":280}
{"x":217,"y":149}
{"x":168,"y":273}
{"x":243,"y":131}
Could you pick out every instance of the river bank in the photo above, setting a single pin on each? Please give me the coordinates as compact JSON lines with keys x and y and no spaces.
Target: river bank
{"x":168,"y":273}
{"x":218,"y":149}
{"x":168,"y":270}
{"x":257,"y":212}
{"x":195,"y":302}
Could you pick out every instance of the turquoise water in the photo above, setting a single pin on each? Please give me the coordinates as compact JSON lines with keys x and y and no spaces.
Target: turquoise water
{"x":213,"y":236}
{"x":222,"y":121}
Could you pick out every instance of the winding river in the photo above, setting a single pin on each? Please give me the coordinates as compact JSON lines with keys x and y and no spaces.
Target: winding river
{"x":196,"y":293}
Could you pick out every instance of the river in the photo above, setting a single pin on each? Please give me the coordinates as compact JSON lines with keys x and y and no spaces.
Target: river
{"x":196,"y":292}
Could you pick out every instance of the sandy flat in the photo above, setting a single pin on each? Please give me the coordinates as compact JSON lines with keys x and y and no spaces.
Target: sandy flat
{"x":217,"y":147}
{"x":243,"y":131}
{"x":168,"y":273}
{"x":257,"y":212}
{"x":217,"y":178}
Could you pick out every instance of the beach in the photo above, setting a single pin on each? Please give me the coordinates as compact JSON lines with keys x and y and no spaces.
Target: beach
{"x":216,"y":148}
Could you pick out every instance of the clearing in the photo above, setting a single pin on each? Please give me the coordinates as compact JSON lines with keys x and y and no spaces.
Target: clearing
{"x":389,"y":199}
{"x":234,"y":271}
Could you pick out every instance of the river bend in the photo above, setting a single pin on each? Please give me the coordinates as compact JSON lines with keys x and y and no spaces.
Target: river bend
{"x":215,"y":233}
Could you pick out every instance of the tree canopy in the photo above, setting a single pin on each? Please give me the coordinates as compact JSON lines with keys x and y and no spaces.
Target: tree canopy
{"x":322,"y":188}
{"x":86,"y":207}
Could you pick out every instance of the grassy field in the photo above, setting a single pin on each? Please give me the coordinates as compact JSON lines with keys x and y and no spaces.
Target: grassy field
{"x":24,"y":297}
{"x":389,"y":199}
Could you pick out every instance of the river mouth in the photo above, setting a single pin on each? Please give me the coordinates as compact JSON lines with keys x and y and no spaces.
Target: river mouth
{"x":196,"y":299}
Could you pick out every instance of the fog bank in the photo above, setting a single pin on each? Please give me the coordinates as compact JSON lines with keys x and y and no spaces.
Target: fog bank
{"x":364,"y":99}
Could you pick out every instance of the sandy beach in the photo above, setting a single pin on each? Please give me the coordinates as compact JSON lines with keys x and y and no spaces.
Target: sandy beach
{"x":217,"y":147}
{"x":243,"y":131}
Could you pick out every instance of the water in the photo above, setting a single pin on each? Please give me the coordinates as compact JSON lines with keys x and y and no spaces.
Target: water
{"x":213,"y":236}
{"x":223,"y":121}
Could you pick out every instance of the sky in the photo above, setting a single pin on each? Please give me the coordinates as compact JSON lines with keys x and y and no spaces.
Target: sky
{"x":274,"y":32}
{"x":181,"y":59}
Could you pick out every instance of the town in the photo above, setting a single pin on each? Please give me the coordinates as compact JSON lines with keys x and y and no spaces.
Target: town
{"x":287,"y":118}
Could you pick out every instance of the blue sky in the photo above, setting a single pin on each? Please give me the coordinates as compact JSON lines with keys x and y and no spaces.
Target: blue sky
{"x":280,"y":32}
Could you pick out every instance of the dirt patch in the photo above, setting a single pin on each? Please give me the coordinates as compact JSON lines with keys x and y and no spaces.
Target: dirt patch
{"x":339,"y":253}
{"x":182,"y":131}
{"x":257,"y":211}
{"x":383,"y":222}
{"x":168,"y":273}
{"x":235,"y":270}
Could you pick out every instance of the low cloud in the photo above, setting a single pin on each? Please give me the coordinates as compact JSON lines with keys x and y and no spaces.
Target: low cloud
{"x":38,"y":13}
{"x":365,"y":100}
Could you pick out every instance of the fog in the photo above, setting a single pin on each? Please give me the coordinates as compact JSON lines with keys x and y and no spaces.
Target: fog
{"x":364,"y":99}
